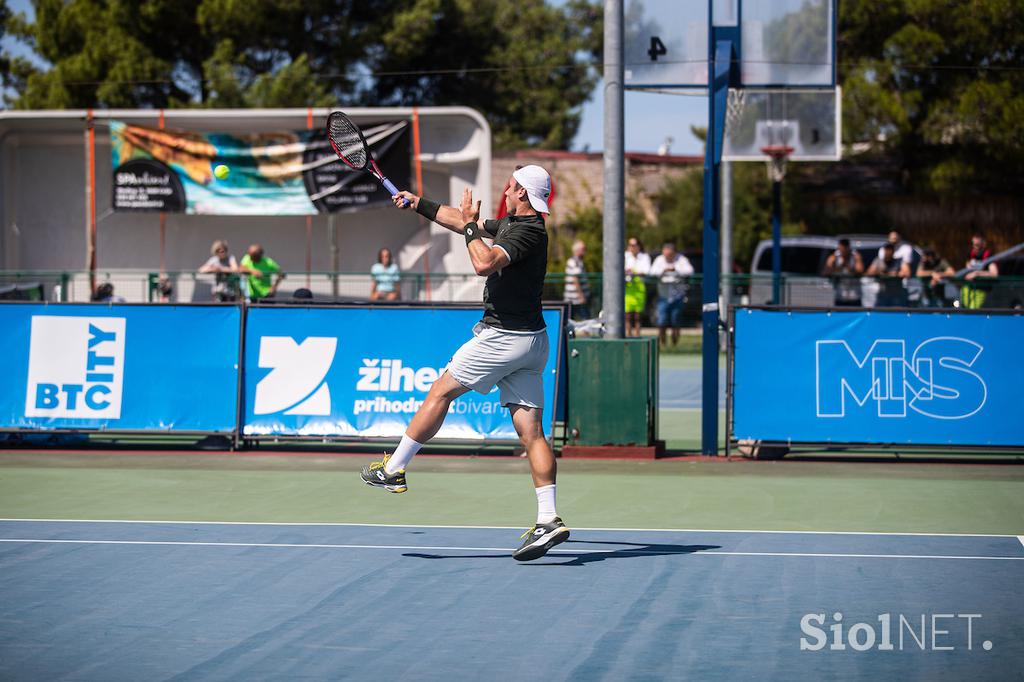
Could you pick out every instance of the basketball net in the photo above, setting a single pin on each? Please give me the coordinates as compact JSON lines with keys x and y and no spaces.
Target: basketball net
{"x":777,"y":155}
{"x":734,"y":107}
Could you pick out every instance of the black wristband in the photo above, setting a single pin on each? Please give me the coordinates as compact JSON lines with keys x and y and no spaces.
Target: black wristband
{"x":472,"y":231}
{"x":427,"y":208}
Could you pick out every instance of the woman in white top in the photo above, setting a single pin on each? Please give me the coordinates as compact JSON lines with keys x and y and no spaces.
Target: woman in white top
{"x":386,"y":278}
{"x":638,"y":264}
{"x":223,"y":264}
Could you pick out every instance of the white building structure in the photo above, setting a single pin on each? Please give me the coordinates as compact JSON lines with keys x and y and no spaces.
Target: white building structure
{"x":45,"y":216}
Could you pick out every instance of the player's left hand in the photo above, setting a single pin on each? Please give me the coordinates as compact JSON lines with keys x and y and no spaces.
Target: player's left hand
{"x":405,"y":200}
{"x":470,"y":213}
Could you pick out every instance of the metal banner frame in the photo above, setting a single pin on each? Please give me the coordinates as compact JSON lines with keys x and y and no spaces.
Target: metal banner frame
{"x":781,"y":446}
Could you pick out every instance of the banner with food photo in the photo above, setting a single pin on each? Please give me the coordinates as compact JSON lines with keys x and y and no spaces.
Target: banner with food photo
{"x":270,"y":173}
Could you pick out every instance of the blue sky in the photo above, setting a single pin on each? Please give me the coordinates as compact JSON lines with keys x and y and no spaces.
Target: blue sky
{"x":650,"y":118}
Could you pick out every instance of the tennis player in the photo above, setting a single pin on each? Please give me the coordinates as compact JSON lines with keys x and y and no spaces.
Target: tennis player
{"x":509,"y":347}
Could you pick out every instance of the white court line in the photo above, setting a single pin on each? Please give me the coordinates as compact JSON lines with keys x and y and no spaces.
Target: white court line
{"x":282,"y":545}
{"x":503,"y":549}
{"x":410,"y":525}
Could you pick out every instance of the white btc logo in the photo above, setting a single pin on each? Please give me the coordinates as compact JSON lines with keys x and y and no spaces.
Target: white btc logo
{"x":296,"y":383}
{"x":75,"y":367}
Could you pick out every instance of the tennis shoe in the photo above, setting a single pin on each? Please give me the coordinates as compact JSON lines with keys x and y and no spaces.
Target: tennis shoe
{"x":539,"y":539}
{"x":374,"y":474}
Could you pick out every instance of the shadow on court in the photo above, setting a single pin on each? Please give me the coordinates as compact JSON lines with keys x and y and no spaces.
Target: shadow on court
{"x":629,"y":550}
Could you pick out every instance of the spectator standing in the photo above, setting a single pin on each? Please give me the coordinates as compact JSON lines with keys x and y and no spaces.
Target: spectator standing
{"x":671,"y":268}
{"x":902,"y":251}
{"x":225,"y":268}
{"x":971,"y":296}
{"x":845,"y":266}
{"x":386,"y":276}
{"x":935,"y":269}
{"x":890,"y":272}
{"x":264,"y":273}
{"x":577,"y":288}
{"x":637,"y":266}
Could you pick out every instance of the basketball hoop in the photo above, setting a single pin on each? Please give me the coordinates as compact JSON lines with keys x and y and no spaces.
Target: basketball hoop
{"x":777,"y":155}
{"x":734,"y":105}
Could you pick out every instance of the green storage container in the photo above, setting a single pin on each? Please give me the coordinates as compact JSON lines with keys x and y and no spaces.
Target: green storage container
{"x":613,"y":391}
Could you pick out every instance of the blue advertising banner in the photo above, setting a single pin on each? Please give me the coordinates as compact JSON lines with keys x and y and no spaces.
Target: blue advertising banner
{"x":363,"y":372}
{"x":119,"y":367}
{"x":879,"y":377}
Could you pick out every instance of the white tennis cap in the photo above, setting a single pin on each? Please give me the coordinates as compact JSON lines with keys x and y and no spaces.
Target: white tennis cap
{"x":537,"y":183}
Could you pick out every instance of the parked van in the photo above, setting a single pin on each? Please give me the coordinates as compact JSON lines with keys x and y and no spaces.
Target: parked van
{"x":803,"y":259}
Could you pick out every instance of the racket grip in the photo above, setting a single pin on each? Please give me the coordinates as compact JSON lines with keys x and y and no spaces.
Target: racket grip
{"x":390,"y":186}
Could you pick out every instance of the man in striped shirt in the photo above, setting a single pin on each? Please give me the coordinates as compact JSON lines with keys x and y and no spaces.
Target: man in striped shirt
{"x":577,"y":288}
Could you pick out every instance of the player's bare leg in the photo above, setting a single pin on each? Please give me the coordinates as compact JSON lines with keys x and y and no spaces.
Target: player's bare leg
{"x":389,"y":473}
{"x":527,"y":421}
{"x":549,"y":529}
{"x":428,"y":419}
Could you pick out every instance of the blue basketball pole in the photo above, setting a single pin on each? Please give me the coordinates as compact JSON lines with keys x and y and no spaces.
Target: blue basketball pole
{"x":776,"y":242}
{"x":720,"y":72}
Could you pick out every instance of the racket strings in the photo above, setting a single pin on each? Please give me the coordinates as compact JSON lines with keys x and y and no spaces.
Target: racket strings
{"x":347,"y":141}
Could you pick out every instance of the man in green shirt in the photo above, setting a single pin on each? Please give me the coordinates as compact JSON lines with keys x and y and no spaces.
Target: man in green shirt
{"x":260,"y":267}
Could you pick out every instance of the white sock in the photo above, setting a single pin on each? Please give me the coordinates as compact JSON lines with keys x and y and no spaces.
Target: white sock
{"x":546,"y":504}
{"x":404,"y":453}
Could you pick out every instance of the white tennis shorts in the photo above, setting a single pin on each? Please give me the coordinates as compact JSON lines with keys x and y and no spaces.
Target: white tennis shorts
{"x":512,"y":360}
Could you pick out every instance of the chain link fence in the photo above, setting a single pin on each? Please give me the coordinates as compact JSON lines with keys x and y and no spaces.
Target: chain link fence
{"x":141,"y":286}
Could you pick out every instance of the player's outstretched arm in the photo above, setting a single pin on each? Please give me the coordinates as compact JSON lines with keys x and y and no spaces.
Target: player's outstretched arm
{"x":446,"y":216}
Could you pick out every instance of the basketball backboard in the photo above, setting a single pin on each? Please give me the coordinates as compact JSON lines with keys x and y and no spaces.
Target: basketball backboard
{"x":809,"y":121}
{"x":782,"y":44}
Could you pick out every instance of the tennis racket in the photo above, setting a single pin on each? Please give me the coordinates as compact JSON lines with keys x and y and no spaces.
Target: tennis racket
{"x":350,"y":146}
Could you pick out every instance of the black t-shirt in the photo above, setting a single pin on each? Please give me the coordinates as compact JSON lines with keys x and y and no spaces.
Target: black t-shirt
{"x":512,"y":296}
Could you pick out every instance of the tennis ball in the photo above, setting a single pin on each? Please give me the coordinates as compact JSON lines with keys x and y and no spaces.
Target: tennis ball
{"x":221,"y":171}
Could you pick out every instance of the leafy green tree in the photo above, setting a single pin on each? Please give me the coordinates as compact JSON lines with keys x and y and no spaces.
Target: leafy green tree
{"x":166,"y":53}
{"x":937,"y":87}
{"x":681,"y":210}
{"x":5,"y":59}
{"x":520,"y":62}
{"x":528,"y":66}
{"x":230,"y":83}
{"x":587,"y":224}
{"x":287,"y":53}
{"x":102,"y":54}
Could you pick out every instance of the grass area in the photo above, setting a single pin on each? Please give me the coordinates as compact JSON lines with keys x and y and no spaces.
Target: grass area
{"x":880,"y":497}
{"x":680,"y":429}
{"x":690,"y":341}
{"x":685,"y":361}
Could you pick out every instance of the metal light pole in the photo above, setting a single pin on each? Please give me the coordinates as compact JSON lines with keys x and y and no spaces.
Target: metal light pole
{"x":725,"y":177}
{"x":613,"y":281}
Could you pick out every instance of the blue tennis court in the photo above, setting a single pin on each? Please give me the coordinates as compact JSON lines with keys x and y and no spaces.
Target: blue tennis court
{"x":106,"y":600}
